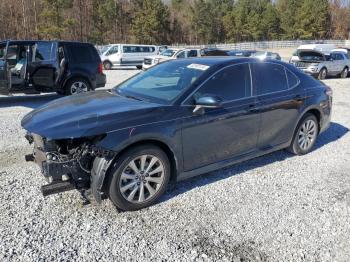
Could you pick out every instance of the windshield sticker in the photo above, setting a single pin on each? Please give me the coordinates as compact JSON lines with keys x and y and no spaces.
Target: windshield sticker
{"x":198,"y":67}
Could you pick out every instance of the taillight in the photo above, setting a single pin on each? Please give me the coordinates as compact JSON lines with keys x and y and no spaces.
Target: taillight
{"x":100,"y":68}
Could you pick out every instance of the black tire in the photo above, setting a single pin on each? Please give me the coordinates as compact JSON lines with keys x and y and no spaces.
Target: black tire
{"x":322,"y":74}
{"x":139,"y":67}
{"x":344,"y":73}
{"x":120,"y":167}
{"x":107,"y":65}
{"x":68,"y":87}
{"x":295,"y":146}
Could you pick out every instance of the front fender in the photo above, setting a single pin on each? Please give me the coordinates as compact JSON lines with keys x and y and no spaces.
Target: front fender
{"x":118,"y":141}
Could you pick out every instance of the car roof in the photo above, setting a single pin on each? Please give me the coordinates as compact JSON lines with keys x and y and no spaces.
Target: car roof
{"x":228,"y":60}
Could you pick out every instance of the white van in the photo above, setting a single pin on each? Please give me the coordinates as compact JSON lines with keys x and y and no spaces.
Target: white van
{"x":117,"y":55}
{"x":323,"y":48}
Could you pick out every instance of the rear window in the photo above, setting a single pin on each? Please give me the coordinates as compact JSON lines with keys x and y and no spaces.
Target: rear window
{"x":82,"y":53}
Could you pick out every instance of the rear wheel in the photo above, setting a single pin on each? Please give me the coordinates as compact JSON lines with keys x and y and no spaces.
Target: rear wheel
{"x":305,"y":135}
{"x":107,"y":65}
{"x":344,"y":73}
{"x":77,"y":86}
{"x":139,"y":67}
{"x":323,"y":74}
{"x":139,"y":177}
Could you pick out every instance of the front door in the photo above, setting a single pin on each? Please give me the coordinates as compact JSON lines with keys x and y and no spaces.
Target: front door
{"x":220,"y":134}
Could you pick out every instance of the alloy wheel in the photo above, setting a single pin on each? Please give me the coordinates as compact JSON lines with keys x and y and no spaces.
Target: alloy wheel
{"x":142,"y":178}
{"x":323,"y":74}
{"x":345,"y":73}
{"x":78,"y":87}
{"x":307,"y":135}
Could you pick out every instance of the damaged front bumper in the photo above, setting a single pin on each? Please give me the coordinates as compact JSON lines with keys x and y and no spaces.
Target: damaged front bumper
{"x":67,"y":164}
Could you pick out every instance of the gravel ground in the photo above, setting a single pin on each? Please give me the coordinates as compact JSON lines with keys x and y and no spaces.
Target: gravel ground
{"x":278,"y":207}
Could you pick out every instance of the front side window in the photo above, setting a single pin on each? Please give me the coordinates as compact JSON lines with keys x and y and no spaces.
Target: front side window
{"x":229,"y":84}
{"x":269,"y":78}
{"x":181,"y":55}
{"x":43,"y":51}
{"x":192,"y":53}
{"x":168,"y":52}
{"x":113,"y":50}
{"x":163,"y":83}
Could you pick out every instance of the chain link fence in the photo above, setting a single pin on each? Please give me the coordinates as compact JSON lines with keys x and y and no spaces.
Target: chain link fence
{"x":269,"y":44}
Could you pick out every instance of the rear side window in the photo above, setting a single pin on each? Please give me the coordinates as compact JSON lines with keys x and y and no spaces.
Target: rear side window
{"x":81,"y":53}
{"x":231,"y":83}
{"x":44,"y":51}
{"x":269,"y":78}
{"x":293,"y":80}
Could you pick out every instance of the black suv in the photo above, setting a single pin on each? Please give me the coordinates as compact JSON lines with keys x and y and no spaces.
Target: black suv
{"x":49,"y":66}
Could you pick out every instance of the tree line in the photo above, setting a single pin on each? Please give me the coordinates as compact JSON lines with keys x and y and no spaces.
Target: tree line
{"x":174,"y":21}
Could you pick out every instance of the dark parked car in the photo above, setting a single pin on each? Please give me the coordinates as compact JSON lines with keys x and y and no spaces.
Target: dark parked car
{"x":177,"y":120}
{"x":241,"y":53}
{"x":49,"y":66}
{"x":213,"y":52}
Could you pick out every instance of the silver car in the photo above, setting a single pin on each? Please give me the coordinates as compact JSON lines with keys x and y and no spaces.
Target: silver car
{"x":320,"y":65}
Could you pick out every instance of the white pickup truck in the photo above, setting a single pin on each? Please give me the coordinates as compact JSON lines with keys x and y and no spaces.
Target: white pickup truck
{"x":321,"y":65}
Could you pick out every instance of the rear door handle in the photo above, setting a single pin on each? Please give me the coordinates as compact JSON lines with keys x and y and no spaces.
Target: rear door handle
{"x":299,"y":98}
{"x":253,"y":108}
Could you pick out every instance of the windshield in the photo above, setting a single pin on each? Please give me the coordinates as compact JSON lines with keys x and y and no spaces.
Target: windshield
{"x":168,"y":52}
{"x":162,"y":83}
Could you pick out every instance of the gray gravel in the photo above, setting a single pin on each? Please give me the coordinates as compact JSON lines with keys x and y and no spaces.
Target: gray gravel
{"x":274,"y":208}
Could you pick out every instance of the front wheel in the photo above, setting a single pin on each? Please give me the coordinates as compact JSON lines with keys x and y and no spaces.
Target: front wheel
{"x":344,"y":73}
{"x":139,"y":177}
{"x":323,"y":74}
{"x":139,"y":67}
{"x":305,"y":136}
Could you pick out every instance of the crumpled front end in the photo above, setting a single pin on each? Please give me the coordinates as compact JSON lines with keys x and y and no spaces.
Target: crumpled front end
{"x":66,"y":163}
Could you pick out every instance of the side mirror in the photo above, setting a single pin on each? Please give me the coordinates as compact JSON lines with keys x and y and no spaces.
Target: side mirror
{"x":207,"y":102}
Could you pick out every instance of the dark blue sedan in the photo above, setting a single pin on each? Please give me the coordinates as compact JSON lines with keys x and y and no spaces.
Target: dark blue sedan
{"x":177,"y":120}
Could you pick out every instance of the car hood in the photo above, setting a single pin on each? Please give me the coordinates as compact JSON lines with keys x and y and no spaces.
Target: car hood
{"x":311,"y":53}
{"x":88,"y":114}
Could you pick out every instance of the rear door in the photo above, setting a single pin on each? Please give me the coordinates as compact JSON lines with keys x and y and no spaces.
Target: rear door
{"x":43,"y":68}
{"x":280,"y":98}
